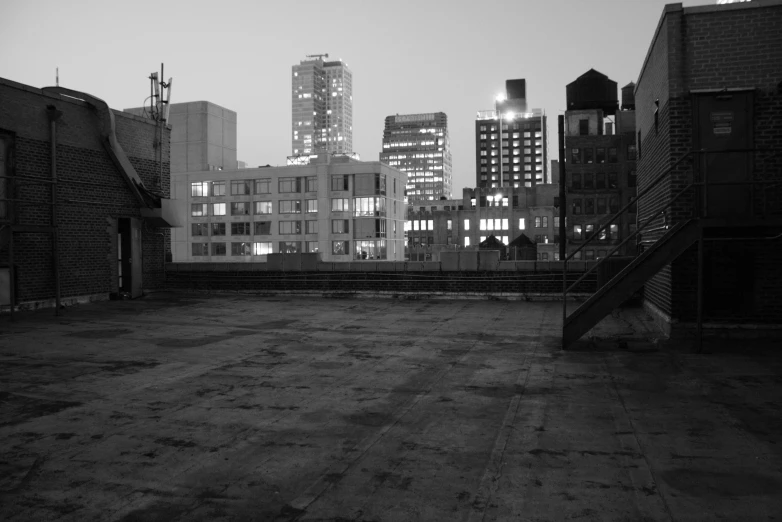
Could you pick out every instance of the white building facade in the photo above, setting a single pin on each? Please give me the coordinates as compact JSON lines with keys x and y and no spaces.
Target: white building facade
{"x":346,"y":210}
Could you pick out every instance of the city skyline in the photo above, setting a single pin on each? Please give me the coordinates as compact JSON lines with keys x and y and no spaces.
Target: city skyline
{"x":475,"y":53}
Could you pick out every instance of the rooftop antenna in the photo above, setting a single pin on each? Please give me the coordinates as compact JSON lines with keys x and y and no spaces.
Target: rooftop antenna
{"x":57,"y":76}
{"x":321,"y":56}
{"x":159,"y":96}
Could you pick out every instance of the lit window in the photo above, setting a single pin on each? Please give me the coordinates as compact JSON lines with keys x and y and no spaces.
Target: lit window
{"x":467,"y":225}
{"x":482,"y":225}
{"x":261,"y":249}
{"x":521,"y":224}
{"x":198,"y":209}
{"x":218,"y":209}
{"x":312,"y":205}
{"x":199,"y":189}
{"x":289,"y":207}
{"x":504,"y":223}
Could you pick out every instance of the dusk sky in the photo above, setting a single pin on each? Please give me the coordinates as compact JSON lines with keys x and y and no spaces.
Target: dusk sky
{"x":406,"y":56}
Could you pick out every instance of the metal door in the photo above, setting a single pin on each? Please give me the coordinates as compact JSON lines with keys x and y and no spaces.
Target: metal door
{"x":135,"y":258}
{"x":723,"y":121}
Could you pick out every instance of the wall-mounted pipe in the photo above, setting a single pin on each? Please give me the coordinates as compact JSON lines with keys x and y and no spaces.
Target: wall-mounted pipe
{"x":54,"y":115}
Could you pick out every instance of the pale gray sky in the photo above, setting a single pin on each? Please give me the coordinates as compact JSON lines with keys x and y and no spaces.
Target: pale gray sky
{"x":407,"y":56}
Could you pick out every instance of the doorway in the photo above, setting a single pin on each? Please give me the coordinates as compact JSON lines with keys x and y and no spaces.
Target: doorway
{"x":129,"y":269}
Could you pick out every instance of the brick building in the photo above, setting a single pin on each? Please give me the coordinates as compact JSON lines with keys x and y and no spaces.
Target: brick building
{"x":601,"y":172}
{"x":101,"y":172}
{"x":505,"y":213}
{"x":712,"y":81}
{"x":336,"y":206}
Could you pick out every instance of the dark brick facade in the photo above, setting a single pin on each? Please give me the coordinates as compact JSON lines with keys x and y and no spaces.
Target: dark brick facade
{"x":714,"y":47}
{"x":91,"y":195}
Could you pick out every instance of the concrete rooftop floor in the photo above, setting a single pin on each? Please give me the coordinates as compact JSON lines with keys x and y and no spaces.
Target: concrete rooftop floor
{"x":195,"y":407}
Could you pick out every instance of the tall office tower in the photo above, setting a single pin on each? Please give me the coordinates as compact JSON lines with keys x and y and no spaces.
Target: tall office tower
{"x":511,"y":142}
{"x":322,"y":108}
{"x":418,"y":144}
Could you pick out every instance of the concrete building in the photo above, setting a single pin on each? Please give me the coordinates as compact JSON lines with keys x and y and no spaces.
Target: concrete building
{"x":510,"y":142}
{"x":322,"y":107}
{"x":711,"y":82}
{"x":203,"y":136}
{"x":418,"y":144}
{"x":505,"y":213}
{"x":84,"y":213}
{"x":336,"y":206}
{"x":600,"y":158}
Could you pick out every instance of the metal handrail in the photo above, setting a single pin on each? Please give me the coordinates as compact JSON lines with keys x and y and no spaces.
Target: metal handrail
{"x":634,"y":201}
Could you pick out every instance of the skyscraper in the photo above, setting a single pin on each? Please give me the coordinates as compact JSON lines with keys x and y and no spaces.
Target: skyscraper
{"x":515,"y":154}
{"x":322,"y":107}
{"x":418,"y":144}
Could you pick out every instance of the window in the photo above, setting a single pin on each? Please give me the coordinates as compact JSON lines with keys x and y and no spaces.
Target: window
{"x":199,"y":189}
{"x":339,"y":183}
{"x":575,"y":181}
{"x":588,"y":231}
{"x":537,"y":222}
{"x":505,"y":224}
{"x":639,"y":134}
{"x":603,"y":235}
{"x":311,"y":206}
{"x":589,"y":155}
{"x":583,"y":127}
{"x":612,"y":181}
{"x":290,"y":247}
{"x":200,"y":229}
{"x":545,"y":221}
{"x":240,"y":249}
{"x":261,"y":249}
{"x":614,"y":232}
{"x":466,"y":225}
{"x":589,"y":255}
{"x":342,"y":226}
{"x":218,"y":188}
{"x":290,"y":227}
{"x":612,"y":155}
{"x":218,"y":249}
{"x":312,"y":184}
{"x":340,"y":204}
{"x":218,"y":209}
{"x":576,"y":206}
{"x":589,"y":180}
{"x":601,"y":205}
{"x":240,"y":188}
{"x":240,"y":229}
{"x":556,"y":222}
{"x":577,"y":232}
{"x":371,"y":206}
{"x":632,"y":179}
{"x":613,"y":205}
{"x":218,"y":229}
{"x":466,"y":241}
{"x":631,"y":152}
{"x":263,"y":228}
{"x":601,"y":155}
{"x":589,"y":206}
{"x":263,"y":207}
{"x":200,"y":249}
{"x":600,"y":180}
{"x":198,"y":209}
{"x":240,"y":208}
{"x":263,"y":186}
{"x":289,"y":185}
{"x":311,"y":247}
{"x":449,"y":224}
{"x":292,"y":206}
{"x":575,"y":156}
{"x":340,"y":248}
{"x":522,"y":225}
{"x":311,"y":227}
{"x":544,"y":256}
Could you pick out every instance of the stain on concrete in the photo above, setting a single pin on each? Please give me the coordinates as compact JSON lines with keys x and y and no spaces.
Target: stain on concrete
{"x":18,"y":409}
{"x":705,"y":483}
{"x":100,"y":334}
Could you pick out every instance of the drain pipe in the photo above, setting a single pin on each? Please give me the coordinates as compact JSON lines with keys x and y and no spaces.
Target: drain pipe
{"x":54,"y":115}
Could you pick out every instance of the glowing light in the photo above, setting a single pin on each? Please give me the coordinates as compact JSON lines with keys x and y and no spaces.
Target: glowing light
{"x":500,"y":97}
{"x":509,"y":116}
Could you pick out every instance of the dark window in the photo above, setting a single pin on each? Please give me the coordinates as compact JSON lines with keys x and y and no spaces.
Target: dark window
{"x":340,"y":226}
{"x":575,"y":155}
{"x":240,"y":208}
{"x":240,"y":229}
{"x":575,"y":181}
{"x":601,"y":205}
{"x":589,"y":155}
{"x":589,"y":180}
{"x":263,"y":228}
{"x":583,"y":127}
{"x":290,"y":227}
{"x":200,"y":229}
{"x":589,"y":255}
{"x":263,"y":186}
{"x":576,"y":206}
{"x":600,"y":180}
{"x":218,"y":249}
{"x":613,"y":205}
{"x":515,"y":201}
{"x":612,"y":180}
{"x":200,"y":249}
{"x":339,"y":183}
{"x":483,"y":201}
{"x":556,"y":202}
{"x":240,"y":249}
{"x":311,"y":227}
{"x":632,"y":179}
{"x":601,"y":155}
{"x":634,"y":207}
{"x":240,"y":188}
{"x":291,"y":206}
{"x":589,"y":206}
{"x":612,"y":155}
{"x":218,"y":229}
{"x":312,"y":184}
{"x":631,"y":152}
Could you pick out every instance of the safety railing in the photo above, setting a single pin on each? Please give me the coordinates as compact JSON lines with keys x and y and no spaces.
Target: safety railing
{"x":700,"y":209}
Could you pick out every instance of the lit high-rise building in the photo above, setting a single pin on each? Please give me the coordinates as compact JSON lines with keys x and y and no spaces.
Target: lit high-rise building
{"x":418,"y":144}
{"x":510,"y":142}
{"x":322,"y":107}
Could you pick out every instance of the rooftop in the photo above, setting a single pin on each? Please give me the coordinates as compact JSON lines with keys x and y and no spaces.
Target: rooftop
{"x":199,"y":407}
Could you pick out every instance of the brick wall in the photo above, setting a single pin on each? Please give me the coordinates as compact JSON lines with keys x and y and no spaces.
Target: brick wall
{"x":91,"y":195}
{"x":712,"y":47}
